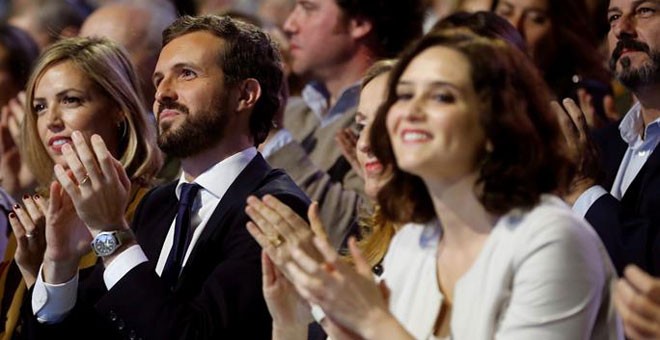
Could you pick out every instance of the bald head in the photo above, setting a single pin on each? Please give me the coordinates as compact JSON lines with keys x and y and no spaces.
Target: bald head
{"x":138,"y":28}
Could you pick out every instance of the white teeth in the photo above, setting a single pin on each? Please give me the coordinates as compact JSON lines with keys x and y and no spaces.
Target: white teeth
{"x":414,"y":136}
{"x":60,"y":142}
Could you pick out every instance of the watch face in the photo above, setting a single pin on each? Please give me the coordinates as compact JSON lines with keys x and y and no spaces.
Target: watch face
{"x":104,"y":244}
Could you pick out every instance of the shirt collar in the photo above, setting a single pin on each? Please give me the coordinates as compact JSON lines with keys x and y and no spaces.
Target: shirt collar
{"x":632,"y":126}
{"x":218,"y":178}
{"x":316,"y":96}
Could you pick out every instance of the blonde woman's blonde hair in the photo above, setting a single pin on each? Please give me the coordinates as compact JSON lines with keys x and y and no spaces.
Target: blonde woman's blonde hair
{"x":106,"y":64}
{"x":376,"y":232}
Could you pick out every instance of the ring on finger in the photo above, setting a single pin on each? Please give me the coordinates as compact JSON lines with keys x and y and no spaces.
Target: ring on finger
{"x":84,"y":180}
{"x":275,"y":240}
{"x":29,"y":235}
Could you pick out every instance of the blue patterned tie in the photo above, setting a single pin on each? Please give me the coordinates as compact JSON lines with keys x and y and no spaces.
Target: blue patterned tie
{"x":182,"y":234}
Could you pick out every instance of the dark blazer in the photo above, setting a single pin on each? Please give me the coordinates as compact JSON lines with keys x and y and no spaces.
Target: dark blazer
{"x":628,"y":228}
{"x":218,"y":294}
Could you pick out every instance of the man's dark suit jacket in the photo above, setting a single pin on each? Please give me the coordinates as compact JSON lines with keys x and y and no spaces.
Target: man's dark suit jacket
{"x":628,"y":228}
{"x":218,"y":295}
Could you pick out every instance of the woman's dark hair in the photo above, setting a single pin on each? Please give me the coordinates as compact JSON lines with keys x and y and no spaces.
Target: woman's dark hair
{"x":528,"y":155}
{"x":22,"y":52}
{"x":485,"y":24}
{"x":395,"y":23}
{"x":571,"y":49}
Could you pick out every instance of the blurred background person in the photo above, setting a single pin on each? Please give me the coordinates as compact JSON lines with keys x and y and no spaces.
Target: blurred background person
{"x":48,"y":21}
{"x":18,"y":52}
{"x":564,"y":46}
{"x":332,"y":43}
{"x":141,"y":38}
{"x":275,"y":12}
{"x":440,"y":9}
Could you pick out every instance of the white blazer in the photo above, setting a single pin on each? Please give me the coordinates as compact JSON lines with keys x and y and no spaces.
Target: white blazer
{"x":542,"y":274}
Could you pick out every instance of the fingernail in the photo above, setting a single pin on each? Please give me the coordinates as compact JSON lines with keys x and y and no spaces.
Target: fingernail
{"x":16,"y":206}
{"x":26,"y":196}
{"x":12,"y":215}
{"x":36,"y":197}
{"x":96,"y":139}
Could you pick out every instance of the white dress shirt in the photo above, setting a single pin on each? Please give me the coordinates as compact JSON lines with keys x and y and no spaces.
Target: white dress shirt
{"x":51,"y":303}
{"x":638,"y":152}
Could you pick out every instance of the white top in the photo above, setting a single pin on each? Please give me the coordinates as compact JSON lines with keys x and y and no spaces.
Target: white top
{"x":52,"y":303}
{"x":542,"y":274}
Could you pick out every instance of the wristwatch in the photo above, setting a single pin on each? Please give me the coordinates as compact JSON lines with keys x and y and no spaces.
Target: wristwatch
{"x":107,"y":242}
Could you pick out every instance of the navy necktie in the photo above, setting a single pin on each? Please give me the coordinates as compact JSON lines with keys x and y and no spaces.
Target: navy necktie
{"x":182,"y":235}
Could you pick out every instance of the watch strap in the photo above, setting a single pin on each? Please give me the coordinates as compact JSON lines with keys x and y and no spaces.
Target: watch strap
{"x":122,"y":237}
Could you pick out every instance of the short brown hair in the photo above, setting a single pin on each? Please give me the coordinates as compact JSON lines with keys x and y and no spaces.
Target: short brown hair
{"x":528,"y":156}
{"x":249,"y":53}
{"x":396,"y":23}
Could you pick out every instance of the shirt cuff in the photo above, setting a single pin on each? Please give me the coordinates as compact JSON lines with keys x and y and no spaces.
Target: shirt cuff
{"x":584,"y":202}
{"x":278,"y":141}
{"x":51,"y":303}
{"x":317,"y":313}
{"x":122,"y":264}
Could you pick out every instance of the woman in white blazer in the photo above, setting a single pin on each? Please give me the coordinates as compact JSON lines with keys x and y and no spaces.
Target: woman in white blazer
{"x":486,"y":250}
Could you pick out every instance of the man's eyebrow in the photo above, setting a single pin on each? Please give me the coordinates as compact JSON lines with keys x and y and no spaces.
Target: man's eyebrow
{"x":638,"y":3}
{"x":634,"y":4}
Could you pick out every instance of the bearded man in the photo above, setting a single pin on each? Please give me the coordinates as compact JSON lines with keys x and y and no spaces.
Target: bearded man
{"x":623,"y":209}
{"x":187,"y":267}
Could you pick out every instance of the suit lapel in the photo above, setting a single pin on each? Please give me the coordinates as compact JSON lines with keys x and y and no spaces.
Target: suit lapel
{"x":611,"y":149}
{"x":160,"y":215}
{"x":614,"y":159}
{"x":646,"y":173}
{"x":233,"y":200}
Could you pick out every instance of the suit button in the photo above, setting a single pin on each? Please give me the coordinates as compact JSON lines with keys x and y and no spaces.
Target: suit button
{"x":113,"y":316}
{"x":120,"y":325}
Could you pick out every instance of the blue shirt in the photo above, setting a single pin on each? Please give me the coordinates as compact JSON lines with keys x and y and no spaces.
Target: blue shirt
{"x":641,"y":143}
{"x":317,"y":98}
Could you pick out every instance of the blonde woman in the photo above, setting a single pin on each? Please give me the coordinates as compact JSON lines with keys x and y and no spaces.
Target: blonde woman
{"x":83,"y":84}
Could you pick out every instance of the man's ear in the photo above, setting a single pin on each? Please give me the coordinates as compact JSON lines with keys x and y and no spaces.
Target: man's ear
{"x":249,"y":93}
{"x":360,"y":27}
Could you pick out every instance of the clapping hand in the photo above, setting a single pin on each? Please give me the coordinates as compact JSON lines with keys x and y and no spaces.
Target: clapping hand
{"x":349,"y":296}
{"x":14,"y":173}
{"x":99,"y":188}
{"x":278,"y":229}
{"x":28,"y":224}
{"x":637,"y":298}
{"x":581,"y":149}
